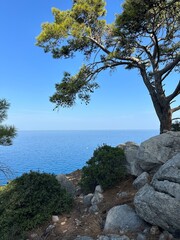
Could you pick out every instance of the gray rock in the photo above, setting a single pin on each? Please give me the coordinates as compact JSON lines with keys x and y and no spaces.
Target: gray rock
{"x":158,"y":208}
{"x":97,"y":198}
{"x":93,"y":209}
{"x":50,"y":228}
{"x":67,"y":184}
{"x":157,"y":150}
{"x":55,"y":219}
{"x":83,"y":238}
{"x":141,"y":236}
{"x":122,"y":194}
{"x":34,"y":236}
{"x":112,"y":237}
{"x":123,"y":218}
{"x":167,"y":178}
{"x":99,"y":189}
{"x":166,"y":236}
{"x":131,"y":151}
{"x":154,"y":230}
{"x":141,"y":180}
{"x":87,"y":199}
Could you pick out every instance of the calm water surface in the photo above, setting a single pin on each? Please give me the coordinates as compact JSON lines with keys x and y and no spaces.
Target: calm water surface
{"x":60,"y":151}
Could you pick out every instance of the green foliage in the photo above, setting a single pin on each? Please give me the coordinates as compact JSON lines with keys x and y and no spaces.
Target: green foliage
{"x":7,"y":133}
{"x":144,"y":36}
{"x":28,"y":201}
{"x":66,"y":91}
{"x":106,"y":168}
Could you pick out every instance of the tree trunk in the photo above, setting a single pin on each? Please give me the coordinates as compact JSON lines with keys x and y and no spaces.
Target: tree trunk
{"x":165,"y":120}
{"x":164,"y":113}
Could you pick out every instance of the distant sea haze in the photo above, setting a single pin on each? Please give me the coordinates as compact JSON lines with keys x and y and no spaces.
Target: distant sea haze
{"x":60,"y":151}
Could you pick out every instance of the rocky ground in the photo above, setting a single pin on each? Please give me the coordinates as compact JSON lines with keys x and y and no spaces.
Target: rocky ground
{"x":81,"y":222}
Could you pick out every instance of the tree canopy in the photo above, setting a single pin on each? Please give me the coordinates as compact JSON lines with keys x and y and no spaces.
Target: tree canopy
{"x":145,"y":36}
{"x":7,"y":133}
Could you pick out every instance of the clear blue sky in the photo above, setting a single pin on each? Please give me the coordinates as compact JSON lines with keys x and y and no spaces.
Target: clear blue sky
{"x":28,"y":75}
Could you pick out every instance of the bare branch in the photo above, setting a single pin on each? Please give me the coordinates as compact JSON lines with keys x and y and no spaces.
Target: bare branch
{"x":175,"y":109}
{"x":166,"y":74}
{"x":174,"y":94}
{"x":175,"y":118}
{"x":169,"y":66}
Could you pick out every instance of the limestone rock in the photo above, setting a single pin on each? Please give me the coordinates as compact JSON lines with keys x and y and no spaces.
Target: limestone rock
{"x":97,"y":198}
{"x":55,"y":219}
{"x":167,"y":178}
{"x":157,"y":150}
{"x":123,"y":218}
{"x":159,"y":203}
{"x":131,"y":151}
{"x":83,"y":238}
{"x":67,"y":184}
{"x":99,"y":189}
{"x":112,"y":237}
{"x":141,"y":236}
{"x":158,"y":208}
{"x":93,"y":209}
{"x":87,"y":199}
{"x":141,"y":180}
{"x":122,"y":194}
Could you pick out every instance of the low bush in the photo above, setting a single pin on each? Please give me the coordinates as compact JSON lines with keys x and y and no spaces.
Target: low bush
{"x":28,"y":201}
{"x":106,"y":168}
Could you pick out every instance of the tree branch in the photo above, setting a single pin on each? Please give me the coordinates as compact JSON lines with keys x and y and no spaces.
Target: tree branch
{"x":169,"y":66}
{"x":99,"y":45}
{"x":175,"y":109}
{"x":174,"y":94}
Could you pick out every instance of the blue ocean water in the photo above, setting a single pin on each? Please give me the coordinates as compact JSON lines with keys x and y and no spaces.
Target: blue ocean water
{"x":60,"y":151}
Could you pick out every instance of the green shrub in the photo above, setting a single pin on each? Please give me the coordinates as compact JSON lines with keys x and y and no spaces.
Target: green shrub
{"x":106,"y":168}
{"x":28,"y":201}
{"x":175,"y":126}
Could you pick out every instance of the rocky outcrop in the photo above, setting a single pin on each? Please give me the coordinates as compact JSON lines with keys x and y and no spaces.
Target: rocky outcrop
{"x":67,"y":184}
{"x":141,"y":180}
{"x":159,"y":202}
{"x":131,"y":150}
{"x":93,"y":199}
{"x":123,"y":218}
{"x":157,"y":150}
{"x":83,"y":238}
{"x":113,"y":237}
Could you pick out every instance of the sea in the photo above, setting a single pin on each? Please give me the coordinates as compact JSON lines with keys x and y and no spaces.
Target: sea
{"x":59,"y":152}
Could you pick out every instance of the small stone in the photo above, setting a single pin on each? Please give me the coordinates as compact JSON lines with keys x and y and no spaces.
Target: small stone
{"x":154,"y":230}
{"x":34,"y":236}
{"x":93,"y":209}
{"x":141,"y":236}
{"x":87,"y":199}
{"x":78,"y":222}
{"x":166,"y":236}
{"x":55,"y":219}
{"x":122,"y":194}
{"x":99,"y":189}
{"x":97,"y":198}
{"x":50,"y":228}
{"x":83,"y":238}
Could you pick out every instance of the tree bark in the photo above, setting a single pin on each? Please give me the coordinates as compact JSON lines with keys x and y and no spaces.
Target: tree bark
{"x":166,"y":120}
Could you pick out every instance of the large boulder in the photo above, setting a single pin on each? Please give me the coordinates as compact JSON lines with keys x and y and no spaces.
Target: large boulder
{"x":123,"y":218}
{"x":141,"y":180}
{"x":157,"y":150}
{"x":131,"y":151}
{"x":67,"y":184}
{"x":159,"y":202}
